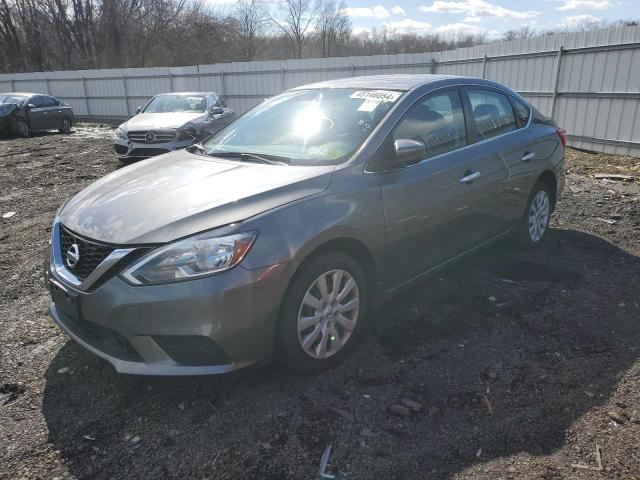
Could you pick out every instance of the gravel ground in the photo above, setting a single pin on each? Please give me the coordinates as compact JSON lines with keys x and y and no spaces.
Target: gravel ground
{"x":523,"y":364}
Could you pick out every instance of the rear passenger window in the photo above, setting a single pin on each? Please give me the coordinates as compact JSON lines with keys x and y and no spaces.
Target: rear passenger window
{"x":492,"y":113}
{"x":437,"y":121}
{"x":49,"y":102}
{"x":522,"y":111}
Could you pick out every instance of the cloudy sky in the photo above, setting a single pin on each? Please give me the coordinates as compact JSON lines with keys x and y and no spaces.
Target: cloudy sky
{"x":491,"y":16}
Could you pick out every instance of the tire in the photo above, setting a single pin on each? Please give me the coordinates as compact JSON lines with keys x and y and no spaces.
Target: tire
{"x":331,"y":314}
{"x":531,"y":229}
{"x":66,"y":125}
{"x":21,"y":128}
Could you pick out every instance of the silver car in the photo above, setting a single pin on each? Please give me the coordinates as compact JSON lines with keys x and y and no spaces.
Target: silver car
{"x":171,"y":121}
{"x":279,"y":235}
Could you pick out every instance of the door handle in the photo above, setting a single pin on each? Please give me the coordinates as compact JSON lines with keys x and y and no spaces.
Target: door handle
{"x":470,"y":177}
{"x":528,"y":156}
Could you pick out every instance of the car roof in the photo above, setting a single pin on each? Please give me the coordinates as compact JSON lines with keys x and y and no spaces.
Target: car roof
{"x":402,"y":82}
{"x":23,"y":94}
{"x":184,"y":93}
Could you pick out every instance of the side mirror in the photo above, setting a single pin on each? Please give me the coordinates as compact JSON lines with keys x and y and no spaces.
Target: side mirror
{"x":409,"y":151}
{"x":216,"y":111}
{"x":138,"y":110}
{"x":30,"y":106}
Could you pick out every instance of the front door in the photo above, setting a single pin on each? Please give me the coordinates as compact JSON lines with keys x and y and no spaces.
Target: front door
{"x":37,"y":113}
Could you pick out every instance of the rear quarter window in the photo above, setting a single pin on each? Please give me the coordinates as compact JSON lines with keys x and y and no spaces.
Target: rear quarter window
{"x":522,"y":110}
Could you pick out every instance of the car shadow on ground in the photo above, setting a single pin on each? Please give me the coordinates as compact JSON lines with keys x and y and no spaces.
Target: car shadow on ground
{"x":506,"y":351}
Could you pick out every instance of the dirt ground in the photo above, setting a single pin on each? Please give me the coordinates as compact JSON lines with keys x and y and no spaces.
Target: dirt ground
{"x":524,"y":363}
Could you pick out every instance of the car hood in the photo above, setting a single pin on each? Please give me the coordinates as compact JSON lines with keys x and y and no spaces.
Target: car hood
{"x":148,"y":121}
{"x":179,"y":194}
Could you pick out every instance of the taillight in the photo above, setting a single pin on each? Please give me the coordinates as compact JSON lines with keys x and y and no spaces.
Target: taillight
{"x":562,"y":133}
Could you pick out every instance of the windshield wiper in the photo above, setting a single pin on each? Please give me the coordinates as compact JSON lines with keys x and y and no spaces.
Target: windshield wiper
{"x":253,"y":157}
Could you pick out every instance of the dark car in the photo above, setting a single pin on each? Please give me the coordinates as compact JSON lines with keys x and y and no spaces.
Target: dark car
{"x":24,"y":113}
{"x":278,"y":235}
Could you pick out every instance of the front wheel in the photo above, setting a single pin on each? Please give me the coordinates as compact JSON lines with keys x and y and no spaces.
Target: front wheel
{"x":531,"y":229}
{"x":66,"y":126}
{"x":21,"y":128}
{"x":323,"y":313}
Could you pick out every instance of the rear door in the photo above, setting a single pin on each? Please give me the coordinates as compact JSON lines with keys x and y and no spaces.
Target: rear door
{"x":502,"y":147}
{"x":54,"y":115}
{"x":427,"y":210}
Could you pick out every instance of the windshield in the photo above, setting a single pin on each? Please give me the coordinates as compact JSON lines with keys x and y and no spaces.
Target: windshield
{"x":306,"y":127}
{"x":17,"y":99}
{"x":177,"y":103}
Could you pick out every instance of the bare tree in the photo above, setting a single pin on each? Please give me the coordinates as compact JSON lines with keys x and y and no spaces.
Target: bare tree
{"x":295,"y":18}
{"x":70,"y":34}
{"x":75,"y":28}
{"x":332,"y":25}
{"x":519,"y":34}
{"x":33,"y":23}
{"x":10,"y":43}
{"x":252,"y":17}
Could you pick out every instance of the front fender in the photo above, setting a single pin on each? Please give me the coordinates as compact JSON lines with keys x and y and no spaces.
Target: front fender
{"x":351,"y":208}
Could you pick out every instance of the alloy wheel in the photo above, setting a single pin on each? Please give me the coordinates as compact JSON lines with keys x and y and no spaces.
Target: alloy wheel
{"x":538,"y":215}
{"x":66,"y":125}
{"x":328,"y":314}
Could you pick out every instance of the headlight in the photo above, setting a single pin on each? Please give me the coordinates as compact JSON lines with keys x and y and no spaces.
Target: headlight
{"x":121,"y":133}
{"x":190,"y":258}
{"x":187,"y":134}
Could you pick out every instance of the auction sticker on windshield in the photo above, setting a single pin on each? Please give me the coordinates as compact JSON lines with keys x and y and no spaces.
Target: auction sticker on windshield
{"x":373,"y":98}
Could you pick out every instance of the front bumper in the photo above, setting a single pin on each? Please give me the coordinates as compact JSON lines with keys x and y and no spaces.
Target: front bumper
{"x":211,"y":325}
{"x":129,"y":150}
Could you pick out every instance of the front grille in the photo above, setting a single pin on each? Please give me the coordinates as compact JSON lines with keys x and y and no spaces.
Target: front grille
{"x":152,"y":136}
{"x":103,"y":339}
{"x":194,"y":350}
{"x":91,"y":254}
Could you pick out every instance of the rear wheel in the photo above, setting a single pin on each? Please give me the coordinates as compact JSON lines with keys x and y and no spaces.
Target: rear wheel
{"x":21,"y":128}
{"x":323,"y":313}
{"x":533,"y":226}
{"x":66,"y":125}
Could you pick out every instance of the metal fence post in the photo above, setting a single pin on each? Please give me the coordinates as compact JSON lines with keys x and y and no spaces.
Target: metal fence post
{"x":432,"y":68}
{"x":556,"y":82}
{"x":199,"y":78}
{"x":126,"y":92}
{"x":352,"y":71}
{"x":223,"y":87}
{"x":46,"y":79}
{"x":282,"y":84}
{"x":171,"y":81}
{"x":13,"y":85}
{"x":484,"y":66}
{"x":86,"y":96}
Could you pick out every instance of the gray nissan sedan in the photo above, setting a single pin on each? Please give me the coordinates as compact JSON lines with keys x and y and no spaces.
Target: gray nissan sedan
{"x":278,"y":236}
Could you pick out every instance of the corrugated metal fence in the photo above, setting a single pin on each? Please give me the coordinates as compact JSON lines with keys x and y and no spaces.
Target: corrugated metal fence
{"x":588,"y":81}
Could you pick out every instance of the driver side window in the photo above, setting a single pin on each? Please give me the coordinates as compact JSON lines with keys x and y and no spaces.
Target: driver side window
{"x":437,"y":121}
